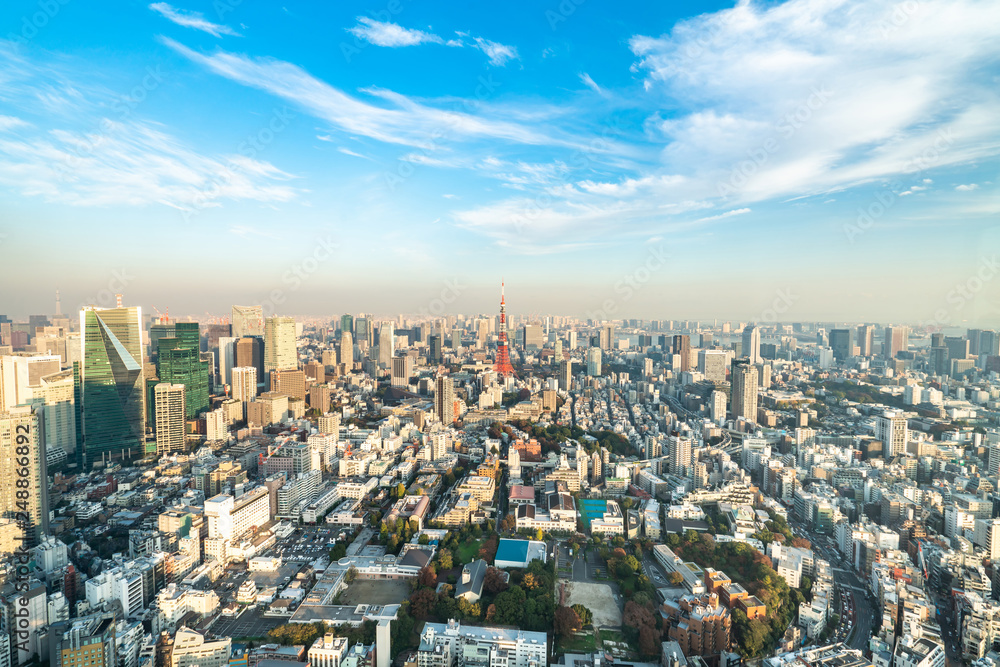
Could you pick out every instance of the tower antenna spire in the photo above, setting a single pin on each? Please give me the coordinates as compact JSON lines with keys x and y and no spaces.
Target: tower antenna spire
{"x":503,"y":366}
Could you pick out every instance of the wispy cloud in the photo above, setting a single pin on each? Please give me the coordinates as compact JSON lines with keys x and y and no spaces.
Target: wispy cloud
{"x":498,"y":53}
{"x":722,"y":216}
{"x":348,"y":151}
{"x":589,"y":82}
{"x":401,"y":120}
{"x":390,"y":34}
{"x":190,"y":19}
{"x":10,"y":122}
{"x":967,"y":188}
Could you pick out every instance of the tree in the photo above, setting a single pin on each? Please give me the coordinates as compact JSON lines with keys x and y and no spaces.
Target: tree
{"x":427,"y":576}
{"x":338,"y":551}
{"x":585,"y":615}
{"x":352,"y":574}
{"x":530,"y":582}
{"x":444,"y":559}
{"x":632,"y":562}
{"x":801,"y":543}
{"x":510,"y":606}
{"x":508,"y":524}
{"x":468,"y":609}
{"x":422,"y":603}
{"x":424,"y":539}
{"x":539,"y":535}
{"x":566,"y":621}
{"x":494,"y":581}
{"x":400,"y":490}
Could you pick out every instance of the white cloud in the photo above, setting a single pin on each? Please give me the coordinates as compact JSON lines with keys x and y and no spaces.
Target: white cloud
{"x":727,"y":214}
{"x":348,"y":151}
{"x":823,"y":94}
{"x":390,"y":34}
{"x":134,"y":163}
{"x":189,"y":19}
{"x":967,"y":188}
{"x":498,"y":53}
{"x":589,"y":82}
{"x":404,"y":121}
{"x":10,"y":122}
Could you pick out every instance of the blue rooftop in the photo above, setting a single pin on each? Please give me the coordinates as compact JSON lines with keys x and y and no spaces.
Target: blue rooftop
{"x":513,"y":550}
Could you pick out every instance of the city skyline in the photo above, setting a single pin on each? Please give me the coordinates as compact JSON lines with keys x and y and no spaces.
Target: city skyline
{"x":675,"y":163}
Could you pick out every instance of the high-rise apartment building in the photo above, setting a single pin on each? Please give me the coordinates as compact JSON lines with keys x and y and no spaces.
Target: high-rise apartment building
{"x":169,"y":409}
{"x":434,"y":354}
{"x":87,"y":641}
{"x":279,"y":344}
{"x":23,"y":469}
{"x":110,"y":385}
{"x":247,"y":321}
{"x":244,"y":387}
{"x":606,"y":336}
{"x":292,"y":383}
{"x":751,"y":343}
{"x":532,"y":336}
{"x":892,"y":430}
{"x":226,"y":359}
{"x":743,"y":377}
{"x":444,"y":399}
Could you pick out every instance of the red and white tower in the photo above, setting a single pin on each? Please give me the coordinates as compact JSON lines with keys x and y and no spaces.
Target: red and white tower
{"x":502,"y":366}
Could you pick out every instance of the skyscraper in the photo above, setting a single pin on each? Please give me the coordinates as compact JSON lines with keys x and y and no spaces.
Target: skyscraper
{"x":593,"y":362}
{"x":896,"y":341}
{"x":169,"y":408}
{"x":444,"y":399}
{"x":712,"y":363}
{"x":248,"y":321}
{"x":531,"y":336}
{"x":386,"y":345}
{"x":110,"y":386}
{"x":250,"y":352}
{"x":751,"y":343}
{"x":866,"y":338}
{"x":607,"y":336}
{"x":434,"y":355}
{"x":743,"y":376}
{"x":347,"y":349}
{"x":892,"y":429}
{"x":842,"y":344}
{"x":566,"y":374}
{"x":279,"y":344}
{"x":402,"y":369}
{"x":682,"y":348}
{"x":227,"y":359}
{"x":179,"y":364}
{"x":347,"y":323}
{"x":23,"y":477}
{"x":244,"y":383}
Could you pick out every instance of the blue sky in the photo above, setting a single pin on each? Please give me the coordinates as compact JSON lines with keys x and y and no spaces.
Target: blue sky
{"x":616,"y":159}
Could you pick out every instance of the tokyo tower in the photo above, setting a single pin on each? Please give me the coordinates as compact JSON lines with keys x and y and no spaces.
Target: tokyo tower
{"x":502,"y":366}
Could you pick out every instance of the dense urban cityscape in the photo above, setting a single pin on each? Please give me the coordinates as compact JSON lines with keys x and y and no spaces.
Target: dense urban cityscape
{"x":494,"y":490}
{"x":455,"y":334}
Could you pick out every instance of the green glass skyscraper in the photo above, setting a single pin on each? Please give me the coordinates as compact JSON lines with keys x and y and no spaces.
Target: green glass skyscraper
{"x":183,"y":365}
{"x":109,"y":386}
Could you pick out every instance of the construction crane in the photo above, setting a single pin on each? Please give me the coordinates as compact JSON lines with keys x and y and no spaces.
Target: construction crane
{"x":160,"y":317}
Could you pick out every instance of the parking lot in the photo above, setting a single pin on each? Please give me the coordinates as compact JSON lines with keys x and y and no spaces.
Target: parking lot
{"x":306,"y":544}
{"x":249,"y":624}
